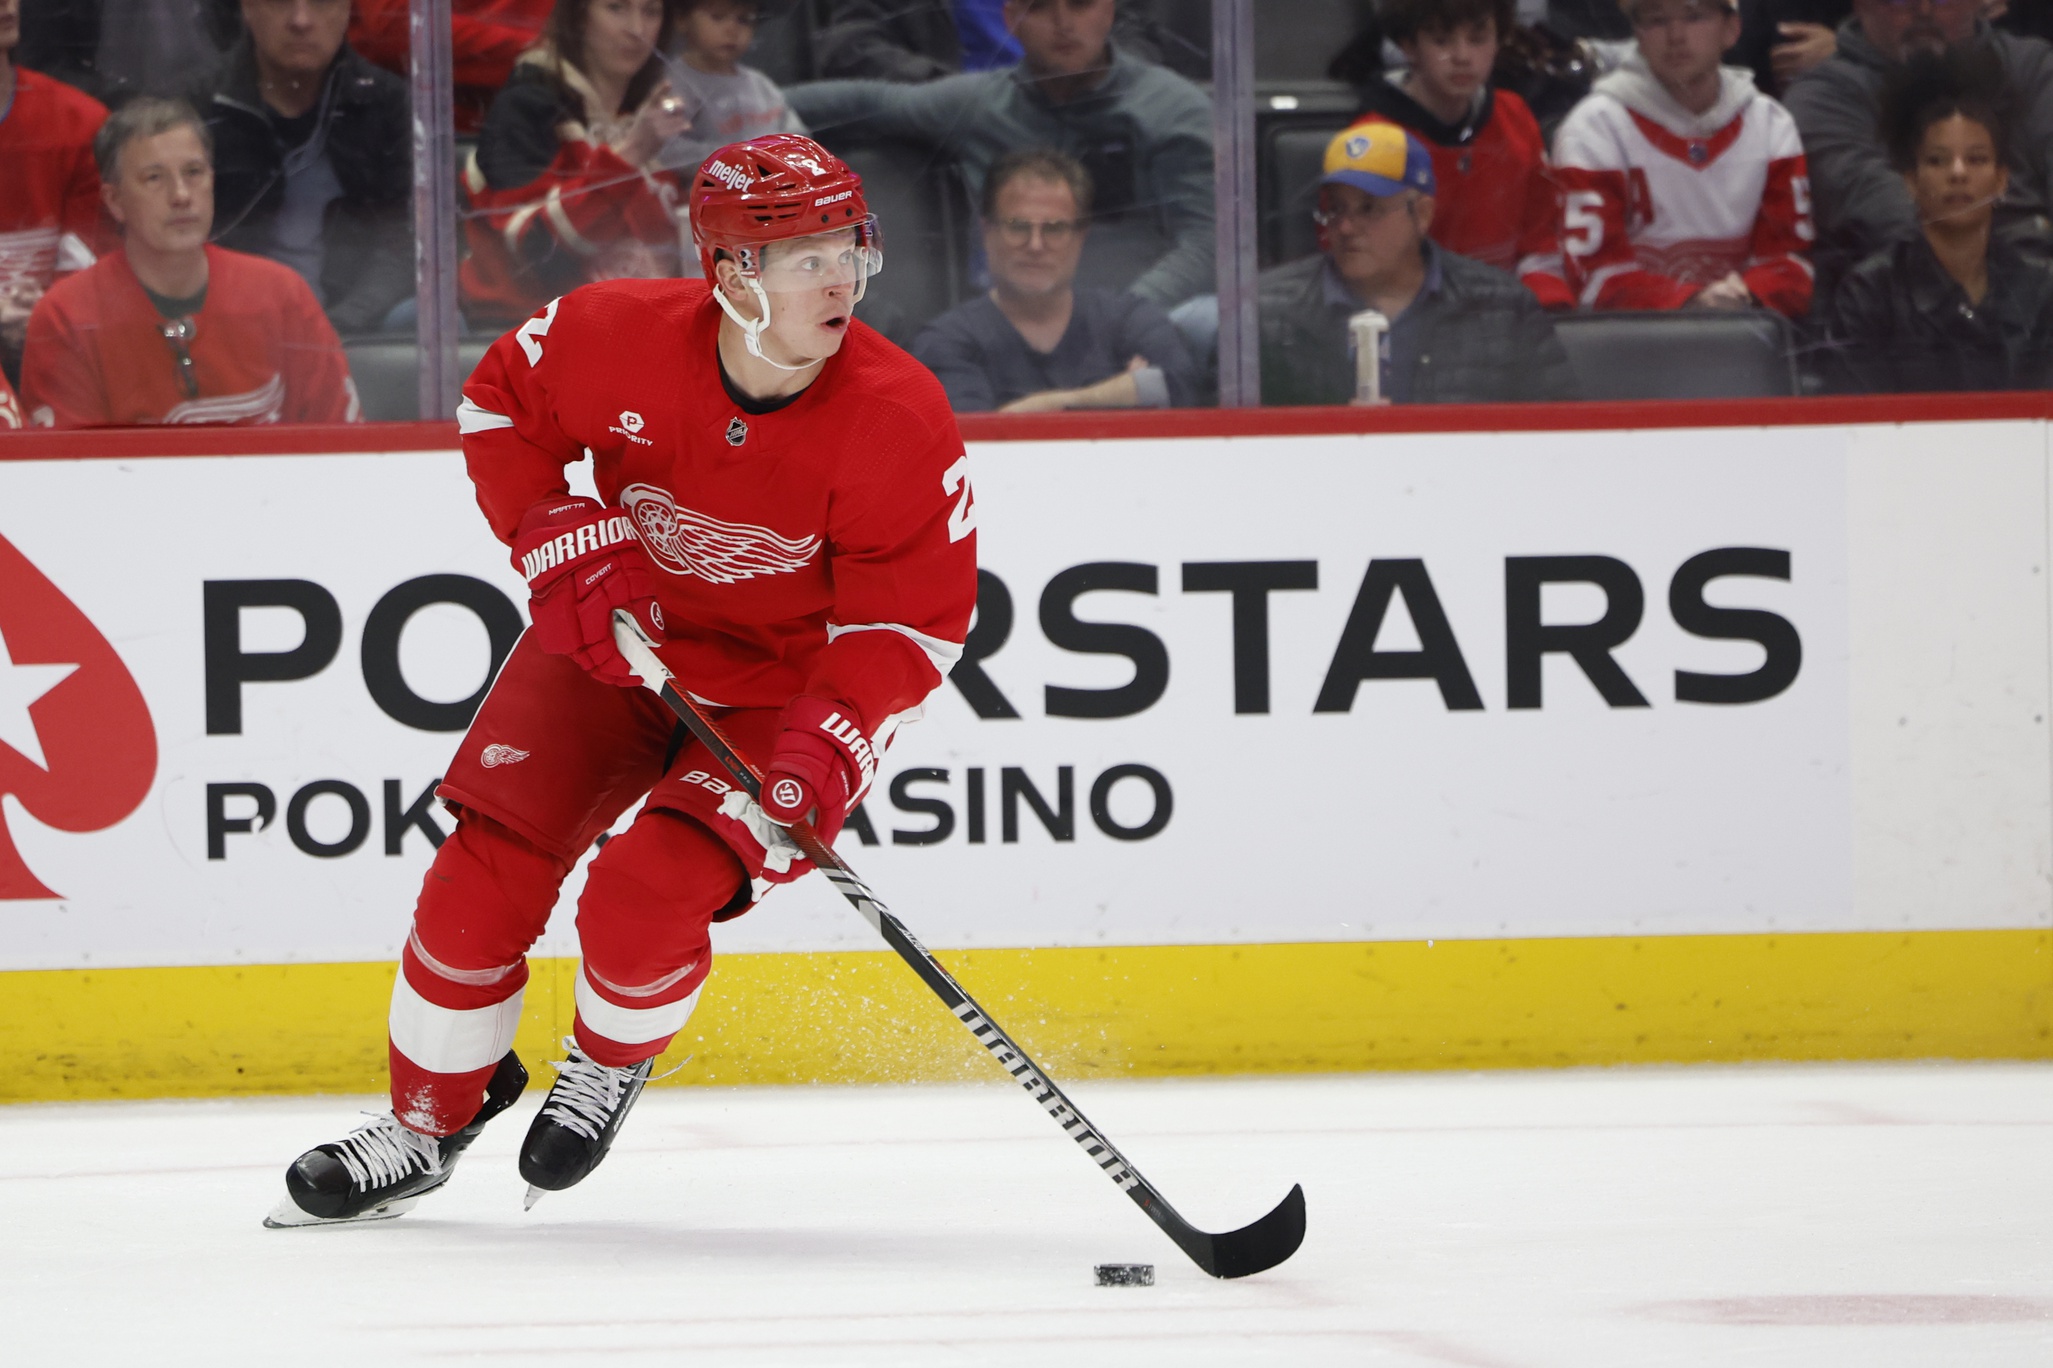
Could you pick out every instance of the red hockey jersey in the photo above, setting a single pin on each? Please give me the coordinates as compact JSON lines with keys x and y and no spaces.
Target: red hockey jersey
{"x":261,"y":351}
{"x":1658,"y":202}
{"x":827,"y":548}
{"x":50,"y":220}
{"x":11,"y":416}
{"x":486,"y":37}
{"x":1494,"y":197}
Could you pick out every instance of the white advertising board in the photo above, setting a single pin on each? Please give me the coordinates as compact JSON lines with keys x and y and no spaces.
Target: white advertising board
{"x":1263,"y":689}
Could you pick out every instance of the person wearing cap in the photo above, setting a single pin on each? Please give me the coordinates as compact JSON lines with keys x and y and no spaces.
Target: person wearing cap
{"x":1681,"y":183}
{"x":1460,"y":331}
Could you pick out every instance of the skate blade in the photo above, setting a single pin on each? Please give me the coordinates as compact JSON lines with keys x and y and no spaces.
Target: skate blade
{"x":287,"y":1215}
{"x":534,"y":1194}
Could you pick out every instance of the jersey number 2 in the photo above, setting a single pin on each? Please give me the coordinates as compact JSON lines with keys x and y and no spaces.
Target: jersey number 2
{"x":963,"y":520}
{"x":534,"y":330}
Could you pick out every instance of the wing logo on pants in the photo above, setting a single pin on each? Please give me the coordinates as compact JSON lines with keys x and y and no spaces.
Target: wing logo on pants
{"x":685,"y":542}
{"x":77,"y":746}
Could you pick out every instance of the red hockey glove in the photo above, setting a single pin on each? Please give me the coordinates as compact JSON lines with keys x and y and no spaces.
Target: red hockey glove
{"x":821,"y":759}
{"x":581,"y":561}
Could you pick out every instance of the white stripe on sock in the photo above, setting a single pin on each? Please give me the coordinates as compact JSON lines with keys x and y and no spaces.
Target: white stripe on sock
{"x":445,"y":1040}
{"x":631,"y":1025}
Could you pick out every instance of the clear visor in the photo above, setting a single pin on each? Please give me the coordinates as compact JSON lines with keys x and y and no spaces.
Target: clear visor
{"x":842,"y":256}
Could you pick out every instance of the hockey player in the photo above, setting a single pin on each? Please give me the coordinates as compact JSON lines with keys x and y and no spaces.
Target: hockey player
{"x":1495,"y":199}
{"x":1681,"y":183}
{"x":787,"y":510}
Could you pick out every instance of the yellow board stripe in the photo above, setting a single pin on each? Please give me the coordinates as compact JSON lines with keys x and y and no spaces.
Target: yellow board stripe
{"x":1117,"y":1011}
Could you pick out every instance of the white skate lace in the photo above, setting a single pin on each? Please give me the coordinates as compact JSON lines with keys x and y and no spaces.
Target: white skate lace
{"x":586,"y":1093}
{"x":385,"y":1151}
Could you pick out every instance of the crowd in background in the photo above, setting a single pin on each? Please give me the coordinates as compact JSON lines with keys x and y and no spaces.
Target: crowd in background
{"x":1873,"y":178}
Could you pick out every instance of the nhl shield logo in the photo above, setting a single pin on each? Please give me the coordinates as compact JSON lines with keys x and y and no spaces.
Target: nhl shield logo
{"x":737,"y":432}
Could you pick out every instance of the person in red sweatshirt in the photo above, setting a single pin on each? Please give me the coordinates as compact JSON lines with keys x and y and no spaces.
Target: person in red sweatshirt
{"x":486,"y":38}
{"x":1496,"y":201}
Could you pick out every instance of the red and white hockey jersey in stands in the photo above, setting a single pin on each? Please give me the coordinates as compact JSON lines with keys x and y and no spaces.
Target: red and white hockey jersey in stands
{"x":1657,"y":203}
{"x":50,"y":219}
{"x":11,"y":416}
{"x":261,"y":351}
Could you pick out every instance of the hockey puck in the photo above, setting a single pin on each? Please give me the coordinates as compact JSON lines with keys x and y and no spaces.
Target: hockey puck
{"x":1126,"y":1275}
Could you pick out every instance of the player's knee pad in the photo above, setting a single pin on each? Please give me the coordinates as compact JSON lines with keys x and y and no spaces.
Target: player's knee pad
{"x":485,"y":900}
{"x":642,"y":923}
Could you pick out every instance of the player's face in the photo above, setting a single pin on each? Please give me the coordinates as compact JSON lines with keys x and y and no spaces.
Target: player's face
{"x":1899,"y":28}
{"x":719,"y":31}
{"x":620,"y":35}
{"x":1035,"y":237}
{"x":1368,"y":235}
{"x":1957,"y":179}
{"x":162,"y":193}
{"x":1061,"y":37}
{"x":296,"y":37}
{"x":1683,"y":40}
{"x":811,"y":284}
{"x":1454,"y":64}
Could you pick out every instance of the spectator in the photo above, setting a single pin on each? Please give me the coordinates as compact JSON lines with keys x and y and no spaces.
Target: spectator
{"x":1863,"y":205}
{"x":169,"y":329}
{"x":312,"y":164}
{"x":1460,"y":331}
{"x":1779,"y":40}
{"x":910,"y":41}
{"x":50,"y":214}
{"x":11,"y":417}
{"x":1682,"y":184}
{"x":726,"y":101}
{"x":1143,"y":133}
{"x":115,"y":50}
{"x":566,"y":184}
{"x":1952,"y":308}
{"x":1036,"y":343}
{"x":1496,"y":199}
{"x":486,"y":38}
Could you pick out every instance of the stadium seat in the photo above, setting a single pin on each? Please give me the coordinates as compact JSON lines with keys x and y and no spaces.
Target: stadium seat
{"x":1290,"y":154}
{"x":388,"y":375}
{"x":1685,"y":354}
{"x":919,"y":201}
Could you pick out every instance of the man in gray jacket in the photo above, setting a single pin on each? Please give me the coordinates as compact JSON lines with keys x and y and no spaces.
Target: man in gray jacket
{"x":1861,"y":202}
{"x":1143,"y":133}
{"x":1460,"y":332}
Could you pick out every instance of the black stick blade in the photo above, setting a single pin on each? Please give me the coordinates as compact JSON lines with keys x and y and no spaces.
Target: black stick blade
{"x":1263,"y":1245}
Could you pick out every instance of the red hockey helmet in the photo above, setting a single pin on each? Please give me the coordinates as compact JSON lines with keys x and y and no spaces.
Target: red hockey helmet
{"x":772,"y":189}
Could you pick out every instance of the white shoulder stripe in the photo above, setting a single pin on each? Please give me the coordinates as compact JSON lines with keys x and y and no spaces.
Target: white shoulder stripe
{"x":470,"y":418}
{"x":942,"y":654}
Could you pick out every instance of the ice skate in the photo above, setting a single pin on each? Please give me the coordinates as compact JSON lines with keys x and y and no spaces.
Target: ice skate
{"x":576,"y":1126}
{"x":382,"y":1169}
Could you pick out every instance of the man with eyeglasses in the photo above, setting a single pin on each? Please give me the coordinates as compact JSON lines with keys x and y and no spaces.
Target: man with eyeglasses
{"x":170,"y":329}
{"x":1459,"y":332}
{"x":1862,"y":203}
{"x":1681,"y":184}
{"x":1037,"y":343}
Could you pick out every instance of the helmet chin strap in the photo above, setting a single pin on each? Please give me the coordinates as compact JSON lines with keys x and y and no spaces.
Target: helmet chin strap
{"x":752,"y":329}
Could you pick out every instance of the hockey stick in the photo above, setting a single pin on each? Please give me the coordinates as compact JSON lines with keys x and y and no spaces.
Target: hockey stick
{"x":1232,"y":1254}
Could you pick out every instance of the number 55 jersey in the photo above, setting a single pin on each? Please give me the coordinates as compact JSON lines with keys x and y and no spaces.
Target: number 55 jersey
{"x":825,"y":547}
{"x":1657,"y":202}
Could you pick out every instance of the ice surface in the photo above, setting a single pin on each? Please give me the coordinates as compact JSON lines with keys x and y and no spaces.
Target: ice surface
{"x":1874,"y":1216}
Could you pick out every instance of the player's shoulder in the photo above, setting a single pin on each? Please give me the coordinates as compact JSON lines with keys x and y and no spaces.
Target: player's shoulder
{"x":63,"y":106}
{"x":642,"y":302}
{"x":880,"y":375}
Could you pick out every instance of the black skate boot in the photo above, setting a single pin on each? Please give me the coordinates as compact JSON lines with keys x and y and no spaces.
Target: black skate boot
{"x":576,"y":1126}
{"x":381,"y":1170}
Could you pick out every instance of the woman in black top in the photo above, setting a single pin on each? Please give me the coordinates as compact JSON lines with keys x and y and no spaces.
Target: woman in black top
{"x":1952,"y":308}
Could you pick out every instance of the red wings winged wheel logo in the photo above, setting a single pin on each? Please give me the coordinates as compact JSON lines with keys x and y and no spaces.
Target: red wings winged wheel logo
{"x":77,"y":747}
